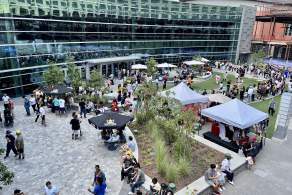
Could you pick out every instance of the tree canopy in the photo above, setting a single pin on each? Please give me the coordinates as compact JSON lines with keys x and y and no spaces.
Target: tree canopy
{"x":96,"y":80}
{"x":73,"y":74}
{"x":151,"y":62}
{"x":6,"y":177}
{"x":54,"y":75}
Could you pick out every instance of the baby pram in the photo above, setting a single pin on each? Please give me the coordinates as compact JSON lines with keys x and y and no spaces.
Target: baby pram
{"x":8,"y":119}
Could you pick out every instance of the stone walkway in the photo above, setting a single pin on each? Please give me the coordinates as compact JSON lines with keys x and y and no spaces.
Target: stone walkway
{"x":271,"y":175}
{"x":51,"y":154}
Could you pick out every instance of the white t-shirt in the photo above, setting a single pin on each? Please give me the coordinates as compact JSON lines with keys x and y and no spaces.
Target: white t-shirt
{"x":62,"y":103}
{"x":42,"y":111}
{"x":32,"y":101}
{"x":5,"y":99}
{"x":53,"y":191}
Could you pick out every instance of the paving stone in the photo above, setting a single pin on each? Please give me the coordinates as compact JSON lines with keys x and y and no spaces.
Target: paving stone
{"x":51,"y":154}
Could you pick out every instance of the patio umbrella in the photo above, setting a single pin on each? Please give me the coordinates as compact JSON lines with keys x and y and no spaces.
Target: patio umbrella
{"x":139,"y":67}
{"x":56,"y":90}
{"x":166,"y":65}
{"x":110,"y":120}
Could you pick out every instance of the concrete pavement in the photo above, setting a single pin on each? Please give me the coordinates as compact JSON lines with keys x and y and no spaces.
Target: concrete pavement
{"x":272,"y":173}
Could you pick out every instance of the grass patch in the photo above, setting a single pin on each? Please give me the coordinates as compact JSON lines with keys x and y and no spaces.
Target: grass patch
{"x":264,"y":106}
{"x":210,"y":84}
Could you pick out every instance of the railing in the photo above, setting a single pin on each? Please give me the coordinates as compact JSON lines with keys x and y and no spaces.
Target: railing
{"x":272,"y":38}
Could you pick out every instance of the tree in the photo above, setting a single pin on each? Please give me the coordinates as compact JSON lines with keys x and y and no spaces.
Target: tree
{"x":73,"y":74}
{"x":197,"y":57}
{"x":151,"y":62}
{"x":6,"y":177}
{"x":96,"y":80}
{"x":54,"y":75}
{"x":258,"y":56}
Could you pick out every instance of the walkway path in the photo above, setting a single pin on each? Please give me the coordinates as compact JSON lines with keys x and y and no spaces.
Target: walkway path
{"x":271,"y":175}
{"x":52,"y":155}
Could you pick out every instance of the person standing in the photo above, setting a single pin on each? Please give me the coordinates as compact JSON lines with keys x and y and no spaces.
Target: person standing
{"x":10,"y":144}
{"x":82,"y":108}
{"x":18,"y":192}
{"x":19,"y":143}
{"x":61,"y":106}
{"x":32,"y":101}
{"x":50,"y":189}
{"x":5,"y":99}
{"x":131,"y":144}
{"x":75,"y":125}
{"x":272,"y":107}
{"x":27,"y":106}
{"x":56,"y":104}
{"x":225,"y":168}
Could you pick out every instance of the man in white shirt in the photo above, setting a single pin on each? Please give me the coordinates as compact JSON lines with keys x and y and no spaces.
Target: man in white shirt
{"x":5,"y":99}
{"x":61,"y":106}
{"x":41,"y":113}
{"x":225,"y":168}
{"x":249,"y":93}
{"x":50,"y":189}
{"x":32,"y":102}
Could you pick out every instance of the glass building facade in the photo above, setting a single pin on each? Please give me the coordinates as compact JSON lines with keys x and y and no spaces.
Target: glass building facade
{"x":34,"y":32}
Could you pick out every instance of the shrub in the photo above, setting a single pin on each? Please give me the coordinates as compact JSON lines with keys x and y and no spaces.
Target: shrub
{"x":182,"y":148}
{"x":160,"y":153}
{"x":184,"y":167}
{"x":168,"y":130}
{"x":172,"y":172}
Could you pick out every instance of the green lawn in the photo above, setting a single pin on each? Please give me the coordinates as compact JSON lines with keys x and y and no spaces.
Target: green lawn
{"x":263,"y":106}
{"x":210,"y":84}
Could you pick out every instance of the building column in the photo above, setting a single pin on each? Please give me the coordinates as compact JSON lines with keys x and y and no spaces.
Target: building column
{"x":87,"y":72}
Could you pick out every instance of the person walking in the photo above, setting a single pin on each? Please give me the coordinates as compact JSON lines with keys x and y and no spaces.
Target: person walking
{"x":19,"y":143}
{"x":26,"y":105}
{"x":41,"y":112}
{"x":272,"y":107}
{"x":56,"y":104}
{"x":10,"y":144}
{"x":82,"y":108}
{"x":5,"y":99}
{"x":99,"y":188}
{"x":51,"y":189}
{"x":98,"y":173}
{"x":75,"y":125}
{"x":32,"y":101}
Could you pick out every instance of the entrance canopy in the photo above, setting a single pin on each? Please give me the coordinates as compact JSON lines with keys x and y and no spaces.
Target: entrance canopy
{"x":235,"y":113}
{"x":113,"y":59}
{"x":139,"y":67}
{"x":193,"y":63}
{"x":166,"y":65}
{"x":184,"y":95}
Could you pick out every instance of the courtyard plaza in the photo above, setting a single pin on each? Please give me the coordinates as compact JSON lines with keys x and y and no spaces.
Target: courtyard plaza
{"x":52,"y":155}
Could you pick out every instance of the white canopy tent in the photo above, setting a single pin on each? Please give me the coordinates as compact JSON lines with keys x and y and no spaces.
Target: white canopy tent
{"x":219,"y":98}
{"x":139,"y":67}
{"x":184,"y":95}
{"x":235,"y":113}
{"x":166,"y":65}
{"x":193,"y":63}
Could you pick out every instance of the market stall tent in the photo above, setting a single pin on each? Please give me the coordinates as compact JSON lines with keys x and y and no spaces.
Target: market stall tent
{"x":235,"y":113}
{"x":184,"y":95}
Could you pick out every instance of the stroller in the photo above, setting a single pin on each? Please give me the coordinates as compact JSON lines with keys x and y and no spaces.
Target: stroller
{"x":8,"y":119}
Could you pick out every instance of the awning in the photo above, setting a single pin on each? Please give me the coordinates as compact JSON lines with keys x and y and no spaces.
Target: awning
{"x":218,"y":97}
{"x":113,"y":59}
